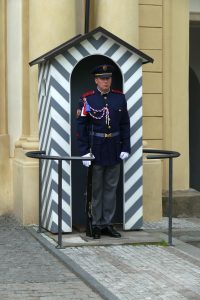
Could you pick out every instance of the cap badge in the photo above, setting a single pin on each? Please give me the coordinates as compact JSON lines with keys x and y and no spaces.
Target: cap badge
{"x":105,"y":68}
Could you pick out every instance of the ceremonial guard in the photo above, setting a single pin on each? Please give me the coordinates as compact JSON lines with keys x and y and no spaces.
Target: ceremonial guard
{"x":103,"y":129}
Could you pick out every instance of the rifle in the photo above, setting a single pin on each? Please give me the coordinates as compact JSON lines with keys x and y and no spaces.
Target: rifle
{"x":88,"y":194}
{"x":88,"y":207}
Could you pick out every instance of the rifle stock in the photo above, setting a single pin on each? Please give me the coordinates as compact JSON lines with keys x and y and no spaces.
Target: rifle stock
{"x":89,"y":202}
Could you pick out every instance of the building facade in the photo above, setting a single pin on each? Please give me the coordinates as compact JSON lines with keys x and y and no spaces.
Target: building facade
{"x":29,"y":28}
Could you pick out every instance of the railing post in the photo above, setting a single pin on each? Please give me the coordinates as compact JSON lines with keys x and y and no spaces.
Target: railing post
{"x":40,"y":196}
{"x":170,"y":201}
{"x":163,"y":154}
{"x":59,"y":204}
{"x":41,"y":155}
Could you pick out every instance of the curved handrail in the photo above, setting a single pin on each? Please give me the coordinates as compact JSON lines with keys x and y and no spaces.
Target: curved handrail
{"x":162,"y":154}
{"x":42,"y":155}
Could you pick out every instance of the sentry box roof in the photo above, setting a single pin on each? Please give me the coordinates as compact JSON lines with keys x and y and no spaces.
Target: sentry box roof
{"x":90,"y":37}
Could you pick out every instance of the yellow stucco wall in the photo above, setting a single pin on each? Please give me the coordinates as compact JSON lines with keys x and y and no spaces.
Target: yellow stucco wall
{"x":175,"y":87}
{"x":3,"y":91}
{"x":6,"y":203}
{"x":42,"y":31}
{"x":164,"y":34}
{"x":150,"y":41}
{"x":119,"y":17}
{"x":159,"y":28}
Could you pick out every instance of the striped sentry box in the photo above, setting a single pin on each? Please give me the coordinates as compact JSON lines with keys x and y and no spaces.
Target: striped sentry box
{"x":54,"y":124}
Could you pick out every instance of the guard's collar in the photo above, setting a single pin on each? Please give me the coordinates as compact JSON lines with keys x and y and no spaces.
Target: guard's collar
{"x":103,"y":93}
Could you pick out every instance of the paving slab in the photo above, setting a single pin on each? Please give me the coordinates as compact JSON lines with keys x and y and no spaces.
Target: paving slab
{"x":127,"y":237}
{"x":29,"y":271}
{"x":138,"y":271}
{"x":141,"y":272}
{"x":186,"y":229}
{"x":33,"y":268}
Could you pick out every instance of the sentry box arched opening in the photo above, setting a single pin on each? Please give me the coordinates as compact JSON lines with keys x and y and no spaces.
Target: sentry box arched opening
{"x":60,"y":86}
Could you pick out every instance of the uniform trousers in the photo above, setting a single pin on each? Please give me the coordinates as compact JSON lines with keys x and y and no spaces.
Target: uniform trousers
{"x":104,"y":184}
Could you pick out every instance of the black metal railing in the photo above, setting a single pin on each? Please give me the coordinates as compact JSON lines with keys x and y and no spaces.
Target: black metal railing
{"x":41,"y":155}
{"x":166,"y":154}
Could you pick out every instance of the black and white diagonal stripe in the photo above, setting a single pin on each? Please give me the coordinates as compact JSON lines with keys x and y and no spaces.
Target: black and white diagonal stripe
{"x":54,"y":117}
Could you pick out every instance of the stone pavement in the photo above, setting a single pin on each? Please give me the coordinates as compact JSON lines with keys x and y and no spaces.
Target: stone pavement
{"x":29,"y":271}
{"x":139,"y":272}
{"x":124,"y":271}
{"x":132,"y":271}
{"x":147,"y":272}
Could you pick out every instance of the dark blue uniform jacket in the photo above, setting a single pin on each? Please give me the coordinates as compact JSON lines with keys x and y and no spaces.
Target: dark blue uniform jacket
{"x":105,"y":149}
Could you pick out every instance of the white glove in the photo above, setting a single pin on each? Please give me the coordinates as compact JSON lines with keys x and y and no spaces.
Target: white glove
{"x":87,"y":163}
{"x":124,"y":155}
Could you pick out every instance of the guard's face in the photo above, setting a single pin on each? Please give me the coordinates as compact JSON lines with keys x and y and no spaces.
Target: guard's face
{"x":103,"y":83}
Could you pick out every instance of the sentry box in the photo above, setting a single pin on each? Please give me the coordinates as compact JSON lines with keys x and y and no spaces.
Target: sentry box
{"x":64,"y":74}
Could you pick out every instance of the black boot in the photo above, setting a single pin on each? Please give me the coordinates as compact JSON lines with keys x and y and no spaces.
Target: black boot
{"x":110,"y":231}
{"x":96,"y":231}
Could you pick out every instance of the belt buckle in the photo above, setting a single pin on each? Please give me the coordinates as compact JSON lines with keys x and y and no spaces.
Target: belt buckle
{"x":108,"y":135}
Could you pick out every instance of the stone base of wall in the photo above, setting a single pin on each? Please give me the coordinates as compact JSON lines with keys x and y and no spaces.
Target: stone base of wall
{"x":25,"y":188}
{"x":6,"y":203}
{"x":186,"y":203}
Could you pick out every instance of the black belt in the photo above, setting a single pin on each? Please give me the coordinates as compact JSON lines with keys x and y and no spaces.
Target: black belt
{"x":105,"y":135}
